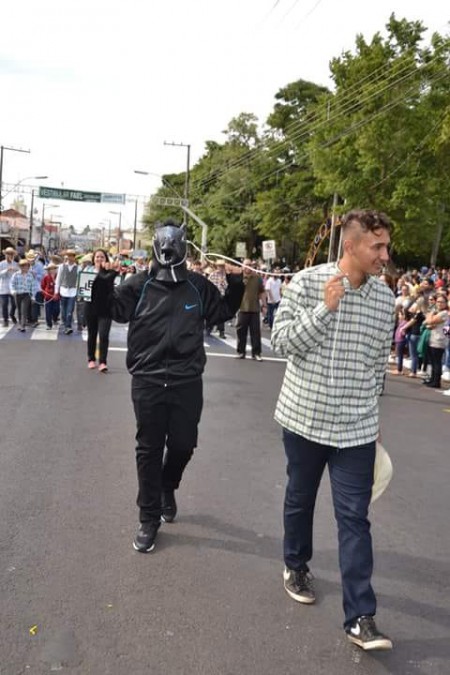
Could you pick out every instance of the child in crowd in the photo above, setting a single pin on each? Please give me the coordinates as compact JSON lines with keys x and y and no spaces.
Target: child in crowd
{"x":51,"y":300}
{"x":22,"y":288}
{"x":400,"y":340}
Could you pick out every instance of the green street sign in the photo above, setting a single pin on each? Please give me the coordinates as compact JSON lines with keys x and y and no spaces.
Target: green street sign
{"x":81,"y":196}
{"x":72,"y":195}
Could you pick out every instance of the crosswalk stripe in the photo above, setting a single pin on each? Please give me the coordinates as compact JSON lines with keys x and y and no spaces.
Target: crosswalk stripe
{"x":41,"y":333}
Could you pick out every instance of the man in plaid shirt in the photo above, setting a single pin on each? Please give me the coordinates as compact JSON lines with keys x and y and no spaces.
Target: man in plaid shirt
{"x":334,"y":325}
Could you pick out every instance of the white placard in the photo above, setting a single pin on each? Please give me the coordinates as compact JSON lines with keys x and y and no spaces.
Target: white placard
{"x":269,"y":249}
{"x":85,"y":282}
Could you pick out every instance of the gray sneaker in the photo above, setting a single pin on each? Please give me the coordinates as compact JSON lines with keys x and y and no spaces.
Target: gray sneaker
{"x":299,"y":585}
{"x":364,"y":633}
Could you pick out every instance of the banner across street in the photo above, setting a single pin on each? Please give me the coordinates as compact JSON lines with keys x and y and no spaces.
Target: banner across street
{"x":81,"y":195}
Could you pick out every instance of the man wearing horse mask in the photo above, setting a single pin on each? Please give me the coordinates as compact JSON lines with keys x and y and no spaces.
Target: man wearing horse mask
{"x":166,"y":308}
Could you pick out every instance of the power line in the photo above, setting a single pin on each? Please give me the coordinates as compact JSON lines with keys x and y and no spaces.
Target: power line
{"x":306,"y":127}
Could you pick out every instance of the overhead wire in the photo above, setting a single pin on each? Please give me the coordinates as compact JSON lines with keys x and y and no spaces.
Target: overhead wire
{"x":342,"y":134}
{"x":305,"y":127}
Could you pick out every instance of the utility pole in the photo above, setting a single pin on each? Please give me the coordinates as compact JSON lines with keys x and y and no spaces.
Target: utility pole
{"x":2,"y":148}
{"x":30,"y":241}
{"x":332,"y":244}
{"x":135,"y":223}
{"x":187,"y":176}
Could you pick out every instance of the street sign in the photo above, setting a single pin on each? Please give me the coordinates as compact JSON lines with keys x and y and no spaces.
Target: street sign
{"x":112,"y":198}
{"x":169,"y":201}
{"x":241,"y":249}
{"x":81,"y":195}
{"x":269,"y":251}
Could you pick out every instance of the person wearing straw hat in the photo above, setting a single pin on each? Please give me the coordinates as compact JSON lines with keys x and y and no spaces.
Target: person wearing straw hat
{"x":22,"y":287}
{"x":8,"y":267}
{"x":38,"y":272}
{"x":66,"y":287}
{"x":51,"y":300}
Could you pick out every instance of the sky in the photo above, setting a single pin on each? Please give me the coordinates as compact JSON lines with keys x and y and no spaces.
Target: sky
{"x":94,"y":88}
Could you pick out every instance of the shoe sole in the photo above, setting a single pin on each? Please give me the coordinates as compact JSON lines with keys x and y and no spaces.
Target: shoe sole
{"x":303,"y":599}
{"x":168,"y":519}
{"x":382,"y":644}
{"x":143,"y":550}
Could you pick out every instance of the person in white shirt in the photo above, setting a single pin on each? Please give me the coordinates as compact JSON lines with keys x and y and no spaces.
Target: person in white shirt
{"x":273,"y":291}
{"x":66,"y":288}
{"x":7,"y":268}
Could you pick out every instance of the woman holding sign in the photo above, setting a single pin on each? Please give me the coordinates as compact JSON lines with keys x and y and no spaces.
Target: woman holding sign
{"x":98,"y":323}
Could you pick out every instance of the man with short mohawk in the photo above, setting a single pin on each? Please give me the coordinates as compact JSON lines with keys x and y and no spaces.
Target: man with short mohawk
{"x":334,"y":325}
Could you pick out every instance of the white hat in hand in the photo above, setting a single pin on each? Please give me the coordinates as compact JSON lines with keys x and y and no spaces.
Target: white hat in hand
{"x":382,"y":472}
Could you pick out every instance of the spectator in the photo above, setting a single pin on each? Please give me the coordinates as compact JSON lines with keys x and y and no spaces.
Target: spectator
{"x":249,"y":313}
{"x":273,"y":292}
{"x":435,"y":321}
{"x":219,"y":278}
{"x":400,"y":340}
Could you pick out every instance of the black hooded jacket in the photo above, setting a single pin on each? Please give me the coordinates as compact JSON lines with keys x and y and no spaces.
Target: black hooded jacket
{"x":165,"y":335}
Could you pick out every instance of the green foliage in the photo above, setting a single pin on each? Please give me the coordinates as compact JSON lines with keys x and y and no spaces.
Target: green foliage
{"x":380,"y":139}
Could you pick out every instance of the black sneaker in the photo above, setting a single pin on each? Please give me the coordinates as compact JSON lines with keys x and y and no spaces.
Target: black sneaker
{"x":168,"y":506}
{"x":299,"y":585}
{"x":14,"y":320}
{"x":364,"y":633}
{"x":144,"y":541}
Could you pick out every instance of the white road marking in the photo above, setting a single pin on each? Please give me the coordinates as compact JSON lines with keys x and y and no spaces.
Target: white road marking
{"x":40,"y":333}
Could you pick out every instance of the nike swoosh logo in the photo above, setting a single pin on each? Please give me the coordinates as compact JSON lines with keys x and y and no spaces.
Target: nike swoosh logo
{"x":356,"y":630}
{"x":189,"y":306}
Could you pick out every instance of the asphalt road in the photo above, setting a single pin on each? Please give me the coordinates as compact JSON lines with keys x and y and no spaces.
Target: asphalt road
{"x":76,"y":598}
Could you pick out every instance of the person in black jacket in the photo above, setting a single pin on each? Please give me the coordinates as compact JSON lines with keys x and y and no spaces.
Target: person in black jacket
{"x":166,"y":307}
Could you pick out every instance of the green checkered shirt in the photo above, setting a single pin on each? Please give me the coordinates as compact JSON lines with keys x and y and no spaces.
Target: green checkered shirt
{"x":336,"y":360}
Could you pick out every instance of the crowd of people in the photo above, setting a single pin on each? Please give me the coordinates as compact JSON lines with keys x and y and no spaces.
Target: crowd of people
{"x":38,"y":287}
{"x":422,"y":310}
{"x":335,"y":324}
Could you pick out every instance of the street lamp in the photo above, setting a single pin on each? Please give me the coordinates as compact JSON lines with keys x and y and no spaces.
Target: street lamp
{"x":186,"y":178}
{"x":22,"y":180}
{"x":2,"y":148}
{"x":163,"y":180}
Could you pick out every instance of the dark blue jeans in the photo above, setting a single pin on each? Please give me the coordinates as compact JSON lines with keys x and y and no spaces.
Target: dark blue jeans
{"x":51,"y":312}
{"x":6,"y":300}
{"x":413,"y":340}
{"x":351,"y":476}
{"x":271,"y":309}
{"x":67,"y":307}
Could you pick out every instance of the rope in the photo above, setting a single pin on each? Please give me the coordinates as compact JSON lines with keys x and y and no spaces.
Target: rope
{"x":238,"y":263}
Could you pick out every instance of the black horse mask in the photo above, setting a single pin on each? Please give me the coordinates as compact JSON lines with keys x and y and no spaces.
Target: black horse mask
{"x":169,"y":252}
